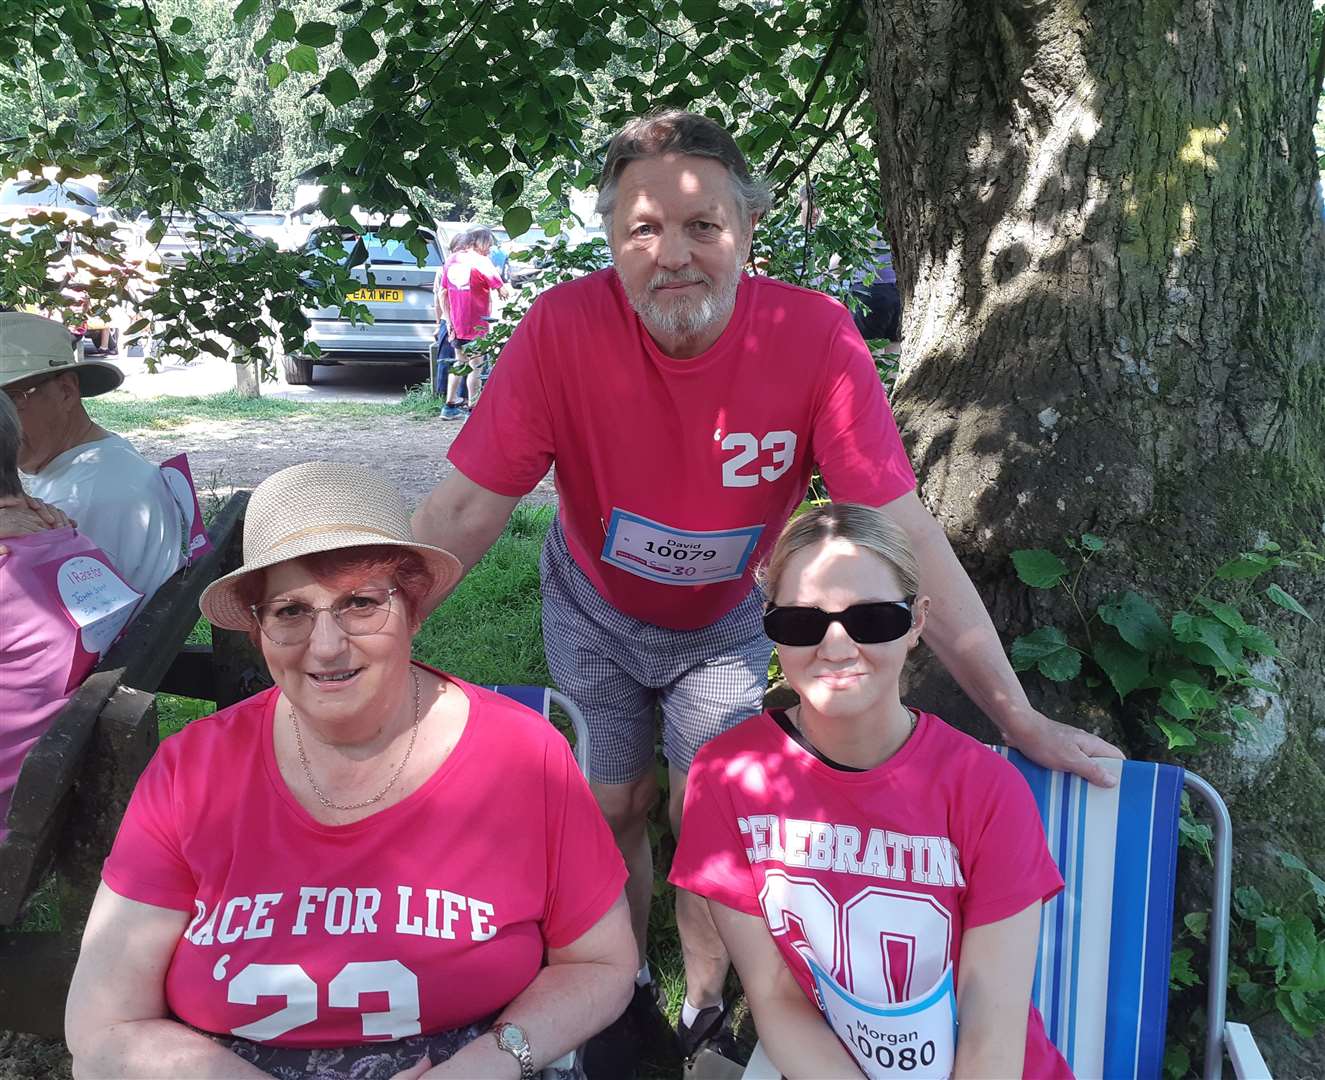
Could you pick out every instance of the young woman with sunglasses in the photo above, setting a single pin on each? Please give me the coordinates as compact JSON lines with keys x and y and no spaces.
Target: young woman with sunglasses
{"x":876,"y":875}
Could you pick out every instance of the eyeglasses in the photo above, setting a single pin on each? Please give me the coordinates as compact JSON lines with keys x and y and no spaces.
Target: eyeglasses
{"x":288,"y":622}
{"x":867,"y":624}
{"x":20,"y":397}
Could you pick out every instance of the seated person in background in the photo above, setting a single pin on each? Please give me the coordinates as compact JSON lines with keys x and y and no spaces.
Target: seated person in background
{"x":862,"y":856}
{"x":464,"y":299}
{"x":46,"y":627}
{"x":119,"y":499}
{"x":370,"y":863}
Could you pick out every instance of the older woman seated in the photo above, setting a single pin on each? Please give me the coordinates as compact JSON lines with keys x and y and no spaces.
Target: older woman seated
{"x":371,"y":860}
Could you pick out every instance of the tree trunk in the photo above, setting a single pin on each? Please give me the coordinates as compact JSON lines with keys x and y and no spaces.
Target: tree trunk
{"x":1110,"y":250}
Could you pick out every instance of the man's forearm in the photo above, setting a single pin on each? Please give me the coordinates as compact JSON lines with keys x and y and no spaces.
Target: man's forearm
{"x":463,"y":518}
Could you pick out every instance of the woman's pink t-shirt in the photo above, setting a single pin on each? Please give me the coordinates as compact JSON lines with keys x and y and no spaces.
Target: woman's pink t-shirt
{"x":945,"y":827}
{"x":469,"y":279}
{"x":431,"y":914}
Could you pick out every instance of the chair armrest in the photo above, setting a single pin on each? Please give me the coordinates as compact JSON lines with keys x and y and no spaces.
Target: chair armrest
{"x":1248,"y":1064}
{"x":760,"y":1067}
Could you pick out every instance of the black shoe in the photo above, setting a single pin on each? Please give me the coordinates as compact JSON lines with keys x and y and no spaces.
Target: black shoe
{"x":639,"y":1037}
{"x":707,"y":1024}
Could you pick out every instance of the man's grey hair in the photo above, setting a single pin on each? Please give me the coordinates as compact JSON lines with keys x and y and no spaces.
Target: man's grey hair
{"x":679,"y":132}
{"x":11,"y":433}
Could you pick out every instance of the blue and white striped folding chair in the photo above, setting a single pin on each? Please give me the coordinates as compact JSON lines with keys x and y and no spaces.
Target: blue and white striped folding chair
{"x":1102,"y":977}
{"x":541,"y":699}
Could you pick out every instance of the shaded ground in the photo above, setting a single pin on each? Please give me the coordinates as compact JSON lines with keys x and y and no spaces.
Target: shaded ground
{"x":25,"y":1057}
{"x":229,"y":454}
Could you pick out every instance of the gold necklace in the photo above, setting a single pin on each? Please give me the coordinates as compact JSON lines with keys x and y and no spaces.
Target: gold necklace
{"x":308,"y":772}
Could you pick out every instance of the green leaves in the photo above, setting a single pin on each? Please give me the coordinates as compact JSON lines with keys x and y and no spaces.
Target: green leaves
{"x":517,"y":221}
{"x":277,"y":74}
{"x":1038,"y":568}
{"x":358,"y":46}
{"x":339,"y":87}
{"x":302,"y":58}
{"x":1137,"y":622}
{"x":1127,"y":668}
{"x":282,"y":26}
{"x":1046,"y":650}
{"x":316,"y":34}
{"x":246,"y":9}
{"x":1277,"y":596}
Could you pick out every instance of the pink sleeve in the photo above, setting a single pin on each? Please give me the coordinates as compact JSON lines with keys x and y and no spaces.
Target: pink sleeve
{"x":507,"y":445}
{"x":585,"y":870}
{"x":710,"y":857}
{"x":856,"y":443}
{"x":146,"y":862}
{"x":1008,"y":865}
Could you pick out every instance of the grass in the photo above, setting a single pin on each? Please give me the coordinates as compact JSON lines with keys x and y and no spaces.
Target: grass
{"x":123,"y":412}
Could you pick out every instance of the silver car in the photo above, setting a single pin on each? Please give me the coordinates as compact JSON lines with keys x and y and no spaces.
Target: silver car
{"x":400,"y":300}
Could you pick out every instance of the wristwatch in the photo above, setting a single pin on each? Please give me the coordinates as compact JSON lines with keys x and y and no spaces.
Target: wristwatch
{"x":511,"y":1038}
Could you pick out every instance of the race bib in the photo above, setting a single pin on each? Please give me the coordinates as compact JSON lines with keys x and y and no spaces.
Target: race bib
{"x":95,"y":599}
{"x":916,"y":1038}
{"x":179,"y":479}
{"x":652,"y":550}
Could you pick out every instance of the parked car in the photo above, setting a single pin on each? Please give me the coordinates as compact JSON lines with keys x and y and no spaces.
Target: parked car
{"x":400,"y":300}
{"x":18,"y":199}
{"x":273,"y":225}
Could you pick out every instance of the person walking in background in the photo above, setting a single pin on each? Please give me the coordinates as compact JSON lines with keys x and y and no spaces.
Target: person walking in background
{"x":464,"y":299}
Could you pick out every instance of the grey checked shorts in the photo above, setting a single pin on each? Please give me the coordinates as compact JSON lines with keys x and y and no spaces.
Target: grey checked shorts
{"x":618,"y":670}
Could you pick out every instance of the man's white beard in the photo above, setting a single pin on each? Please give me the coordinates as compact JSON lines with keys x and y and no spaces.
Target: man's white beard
{"x":684,"y":317}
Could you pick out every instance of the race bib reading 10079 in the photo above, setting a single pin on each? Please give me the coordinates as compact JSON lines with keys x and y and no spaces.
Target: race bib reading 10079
{"x":652,"y":550}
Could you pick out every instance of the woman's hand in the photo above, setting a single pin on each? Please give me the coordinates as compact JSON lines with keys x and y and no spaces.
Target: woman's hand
{"x":414,"y":1071}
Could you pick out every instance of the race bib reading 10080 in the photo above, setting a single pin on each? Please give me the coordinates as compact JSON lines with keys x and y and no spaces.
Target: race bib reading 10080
{"x":915,"y":1039}
{"x":652,"y":550}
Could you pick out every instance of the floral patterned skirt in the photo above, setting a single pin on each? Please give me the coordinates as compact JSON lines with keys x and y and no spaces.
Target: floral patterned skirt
{"x":367,"y":1061}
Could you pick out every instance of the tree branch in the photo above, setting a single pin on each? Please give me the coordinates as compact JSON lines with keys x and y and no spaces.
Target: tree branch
{"x":1318,"y":76}
{"x":848,"y":8}
{"x":827,"y":134}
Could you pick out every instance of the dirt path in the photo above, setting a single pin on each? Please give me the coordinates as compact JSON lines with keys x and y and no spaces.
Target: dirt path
{"x":229,"y":454}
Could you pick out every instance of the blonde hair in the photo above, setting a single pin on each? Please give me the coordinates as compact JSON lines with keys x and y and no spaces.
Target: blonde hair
{"x":862,"y":526}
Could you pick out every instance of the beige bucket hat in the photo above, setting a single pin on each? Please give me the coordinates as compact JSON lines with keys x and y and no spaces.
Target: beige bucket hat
{"x":321,"y":506}
{"x":31,"y":345}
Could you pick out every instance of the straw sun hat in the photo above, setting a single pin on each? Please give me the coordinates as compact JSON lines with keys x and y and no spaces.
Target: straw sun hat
{"x":321,"y":506}
{"x":31,"y":345}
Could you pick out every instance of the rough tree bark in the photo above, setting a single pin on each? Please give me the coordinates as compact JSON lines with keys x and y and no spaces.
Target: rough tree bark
{"x":1111,"y":255}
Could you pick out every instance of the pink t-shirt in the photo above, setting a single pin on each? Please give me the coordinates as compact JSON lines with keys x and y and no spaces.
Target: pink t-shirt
{"x":942,"y":836}
{"x":61,"y":606}
{"x":469,"y":279}
{"x":426,"y":916}
{"x":651,"y":451}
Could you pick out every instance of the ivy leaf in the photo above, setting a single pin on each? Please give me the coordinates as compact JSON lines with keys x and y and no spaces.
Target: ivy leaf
{"x":181,"y":26}
{"x":1225,"y":613}
{"x":1211,"y":636}
{"x":1249,"y":564}
{"x":1247,"y":902}
{"x":277,"y":74}
{"x":1197,"y":923}
{"x":1137,"y":622}
{"x":339,"y":87}
{"x":316,"y":34}
{"x":1177,"y":734}
{"x":1277,"y":596}
{"x":516,"y":221}
{"x":246,"y":9}
{"x":1038,"y":568}
{"x":358,"y":46}
{"x":1181,"y":973}
{"x":1256,"y":640}
{"x":1291,"y":862}
{"x":1047,"y":650}
{"x":302,"y":58}
{"x":1091,"y":542}
{"x":1184,"y":700}
{"x":1126,"y":667}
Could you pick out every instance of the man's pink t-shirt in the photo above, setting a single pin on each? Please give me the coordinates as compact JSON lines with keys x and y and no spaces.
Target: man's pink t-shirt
{"x":426,"y":916}
{"x":43,"y":658}
{"x":469,"y":279}
{"x":946,"y":827}
{"x":723,"y":444}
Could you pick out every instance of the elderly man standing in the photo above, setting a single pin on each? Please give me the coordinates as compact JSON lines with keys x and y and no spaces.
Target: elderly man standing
{"x":686,"y":405}
{"x":118,"y":498}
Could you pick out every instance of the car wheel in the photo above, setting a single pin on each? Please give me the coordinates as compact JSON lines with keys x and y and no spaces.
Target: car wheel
{"x":298,"y":370}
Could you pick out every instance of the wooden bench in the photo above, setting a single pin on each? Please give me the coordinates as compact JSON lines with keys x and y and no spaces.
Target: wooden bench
{"x":76,"y":781}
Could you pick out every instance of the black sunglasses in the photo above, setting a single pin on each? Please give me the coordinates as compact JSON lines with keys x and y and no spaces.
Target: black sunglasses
{"x":867,"y":624}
